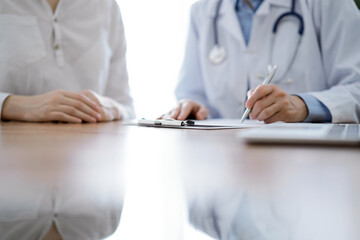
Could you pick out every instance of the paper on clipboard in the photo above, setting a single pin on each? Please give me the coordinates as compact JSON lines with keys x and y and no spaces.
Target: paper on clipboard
{"x":214,"y":124}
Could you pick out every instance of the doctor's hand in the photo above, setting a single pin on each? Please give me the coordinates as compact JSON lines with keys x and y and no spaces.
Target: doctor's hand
{"x":187,"y":109}
{"x":271,"y":104}
{"x":58,"y":105}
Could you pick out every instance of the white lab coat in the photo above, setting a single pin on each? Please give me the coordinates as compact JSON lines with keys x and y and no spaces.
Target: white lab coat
{"x":327,"y":64}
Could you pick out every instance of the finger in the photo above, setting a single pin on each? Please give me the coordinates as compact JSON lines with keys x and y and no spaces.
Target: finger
{"x":72,"y":111}
{"x":202,"y":113}
{"x":106,"y":115}
{"x":167,"y":115}
{"x":81,"y":106}
{"x":284,"y":115}
{"x":274,"y":118}
{"x":63,"y":117}
{"x":161,"y":117}
{"x":174,"y":113}
{"x":260,"y":105}
{"x":83,"y":98}
{"x":260,"y":92}
{"x":269,"y":112}
{"x":91,"y":95}
{"x":250,"y":92}
{"x":186,"y":109}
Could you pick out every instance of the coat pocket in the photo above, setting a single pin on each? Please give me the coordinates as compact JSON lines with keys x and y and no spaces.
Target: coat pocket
{"x":21,"y":43}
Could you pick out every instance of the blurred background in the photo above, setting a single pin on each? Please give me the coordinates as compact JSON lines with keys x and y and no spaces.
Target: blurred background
{"x":156,"y":34}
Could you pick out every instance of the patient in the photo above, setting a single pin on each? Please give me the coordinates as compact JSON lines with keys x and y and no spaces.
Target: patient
{"x":63,"y":61}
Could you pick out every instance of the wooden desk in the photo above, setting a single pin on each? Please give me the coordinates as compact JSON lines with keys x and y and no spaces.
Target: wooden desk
{"x":231,"y":189}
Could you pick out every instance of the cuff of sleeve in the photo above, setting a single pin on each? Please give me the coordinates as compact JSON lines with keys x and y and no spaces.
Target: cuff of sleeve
{"x":127,"y":113}
{"x":318,"y":112}
{"x":3,"y":96}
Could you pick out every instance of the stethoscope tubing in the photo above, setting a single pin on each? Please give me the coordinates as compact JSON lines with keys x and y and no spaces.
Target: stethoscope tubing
{"x":291,"y":13}
{"x":216,"y":35}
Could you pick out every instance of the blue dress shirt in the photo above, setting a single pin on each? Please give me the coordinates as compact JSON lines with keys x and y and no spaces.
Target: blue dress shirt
{"x":318,"y":112}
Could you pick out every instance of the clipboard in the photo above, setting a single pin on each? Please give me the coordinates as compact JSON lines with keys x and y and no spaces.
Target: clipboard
{"x":194,"y":124}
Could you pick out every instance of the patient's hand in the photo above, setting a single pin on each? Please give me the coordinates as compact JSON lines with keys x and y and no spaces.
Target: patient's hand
{"x":187,"y":108}
{"x":109,"y":109}
{"x":58,"y":105}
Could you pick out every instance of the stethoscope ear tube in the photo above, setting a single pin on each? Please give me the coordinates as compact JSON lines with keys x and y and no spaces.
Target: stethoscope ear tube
{"x":294,"y":14}
{"x":291,"y":13}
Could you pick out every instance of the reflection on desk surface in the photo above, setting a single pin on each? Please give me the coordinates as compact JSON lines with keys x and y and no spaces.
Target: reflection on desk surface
{"x":75,"y":176}
{"x":275,"y":200}
{"x":55,"y":177}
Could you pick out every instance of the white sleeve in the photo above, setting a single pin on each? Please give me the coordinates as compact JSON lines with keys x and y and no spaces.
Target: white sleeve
{"x":3,"y":96}
{"x":118,"y":86}
{"x":190,"y":85}
{"x":338,"y":26}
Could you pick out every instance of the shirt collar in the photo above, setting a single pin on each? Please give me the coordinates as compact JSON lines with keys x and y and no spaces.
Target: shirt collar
{"x":242,"y":3}
{"x":281,"y":3}
{"x":211,"y":8}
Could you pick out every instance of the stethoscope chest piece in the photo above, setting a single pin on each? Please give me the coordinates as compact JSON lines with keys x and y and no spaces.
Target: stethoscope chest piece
{"x":217,"y":54}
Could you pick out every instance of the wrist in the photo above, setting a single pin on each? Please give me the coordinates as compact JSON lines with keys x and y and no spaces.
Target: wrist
{"x":302,"y":111}
{"x":12,"y":108}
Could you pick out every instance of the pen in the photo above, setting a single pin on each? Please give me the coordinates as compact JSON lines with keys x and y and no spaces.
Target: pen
{"x":266,"y":81}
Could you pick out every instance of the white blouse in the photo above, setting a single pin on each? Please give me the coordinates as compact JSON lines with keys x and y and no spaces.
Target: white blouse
{"x":80,"y":46}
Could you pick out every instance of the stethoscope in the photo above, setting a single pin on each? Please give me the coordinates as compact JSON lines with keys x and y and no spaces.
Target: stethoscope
{"x":217,"y":54}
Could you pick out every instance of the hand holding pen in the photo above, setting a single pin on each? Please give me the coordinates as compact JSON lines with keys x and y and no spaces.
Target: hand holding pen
{"x":267,"y":80}
{"x":270,"y":104}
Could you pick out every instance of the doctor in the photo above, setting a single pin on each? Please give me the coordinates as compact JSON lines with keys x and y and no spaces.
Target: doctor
{"x":315,"y":43}
{"x":63,"y":61}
